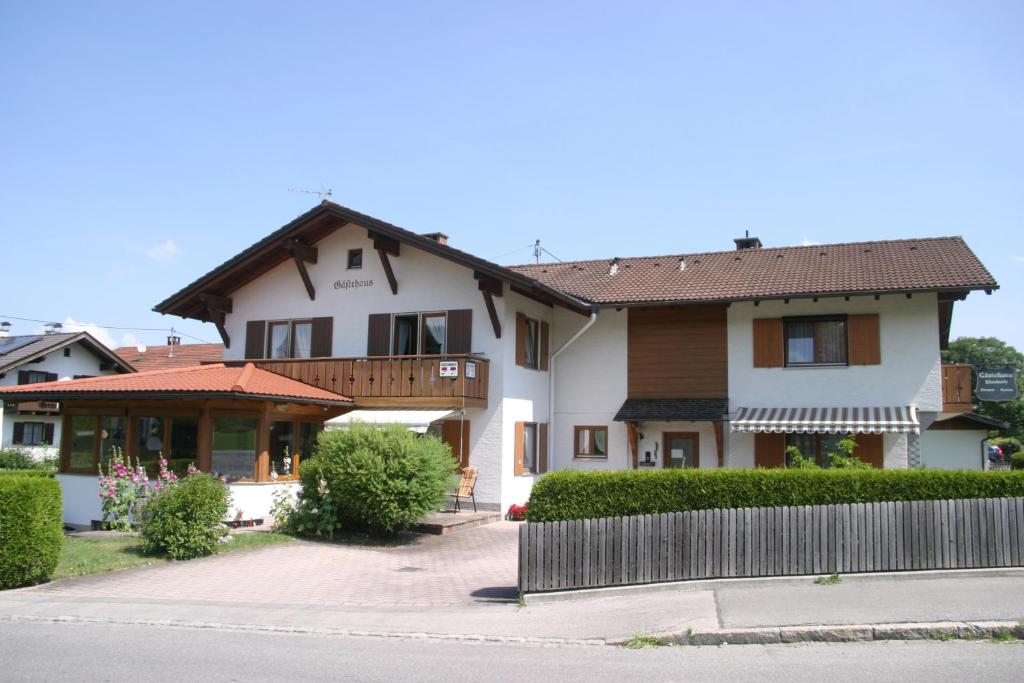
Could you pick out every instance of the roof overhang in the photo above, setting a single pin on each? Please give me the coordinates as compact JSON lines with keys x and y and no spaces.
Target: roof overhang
{"x":673,"y":410}
{"x":945,"y":295}
{"x":313,"y":226}
{"x":968,"y":421}
{"x":57,"y":395}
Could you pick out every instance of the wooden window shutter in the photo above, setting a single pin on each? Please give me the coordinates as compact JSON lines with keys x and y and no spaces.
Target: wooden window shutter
{"x":52,"y":377}
{"x":869,"y":449}
{"x":769,"y":343}
{"x":864,"y":338}
{"x":48,"y":433}
{"x":769,"y":449}
{"x":460,"y":331}
{"x":378,"y":341}
{"x":521,"y":339}
{"x":19,"y":432}
{"x":545,"y":332}
{"x":455,"y":433}
{"x":255,"y":334}
{"x":542,"y":447}
{"x":22,"y":376}
{"x":323,"y":338}
{"x":518,"y":445}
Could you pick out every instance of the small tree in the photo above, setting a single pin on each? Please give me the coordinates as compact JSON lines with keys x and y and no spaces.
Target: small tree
{"x":843,"y":458}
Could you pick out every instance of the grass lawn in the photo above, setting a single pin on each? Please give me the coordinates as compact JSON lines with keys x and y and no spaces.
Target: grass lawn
{"x":82,"y":556}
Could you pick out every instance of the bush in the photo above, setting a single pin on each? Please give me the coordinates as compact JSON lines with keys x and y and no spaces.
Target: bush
{"x":186,"y":520}
{"x":1007,"y":444}
{"x":381,"y":480}
{"x":582,"y":495}
{"x":1017,"y":461}
{"x":15,"y":459}
{"x":31,"y":528}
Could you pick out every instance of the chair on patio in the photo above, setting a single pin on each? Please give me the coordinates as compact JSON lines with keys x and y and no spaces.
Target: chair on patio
{"x":465,"y":488}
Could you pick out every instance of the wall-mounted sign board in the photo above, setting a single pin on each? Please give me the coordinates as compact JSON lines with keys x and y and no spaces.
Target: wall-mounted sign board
{"x":470,"y":369}
{"x":449,"y":368}
{"x":996,"y":383}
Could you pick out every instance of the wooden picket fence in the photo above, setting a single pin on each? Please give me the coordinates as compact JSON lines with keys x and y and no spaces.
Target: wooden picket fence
{"x":780,"y":541}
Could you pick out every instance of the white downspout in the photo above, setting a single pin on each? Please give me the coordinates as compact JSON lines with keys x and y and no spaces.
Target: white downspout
{"x":551,"y":381}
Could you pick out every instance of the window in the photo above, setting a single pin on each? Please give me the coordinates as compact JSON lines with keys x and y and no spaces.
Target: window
{"x":183,"y":438}
{"x":290,"y":339}
{"x":35,"y":377}
{"x":282,"y":450}
{"x":234,"y":448}
{"x":814,"y":447}
{"x":149,"y":443}
{"x":530,"y":345}
{"x":815,"y":341}
{"x":111,"y":436}
{"x":67,"y":352}
{"x":591,"y":442}
{"x":82,"y":444}
{"x":419,"y":333}
{"x":530,"y":447}
{"x":176,"y":439}
{"x":355,"y":259}
{"x":531,"y":342}
{"x":30,"y":433}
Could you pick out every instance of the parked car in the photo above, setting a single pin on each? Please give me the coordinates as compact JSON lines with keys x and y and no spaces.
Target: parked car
{"x":996,"y":455}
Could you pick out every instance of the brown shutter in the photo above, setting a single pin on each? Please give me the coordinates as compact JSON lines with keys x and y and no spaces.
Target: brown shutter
{"x":19,"y":432}
{"x":460,"y":331}
{"x":520,"y":339}
{"x":520,"y":437}
{"x":542,"y":447}
{"x":869,"y":449}
{"x":48,"y":433}
{"x":545,"y":331}
{"x":378,"y":341}
{"x":52,"y":377}
{"x":22,"y":376}
{"x":768,"y":343}
{"x":455,"y":433}
{"x":255,"y":335}
{"x":323,"y":336}
{"x":865,"y":339}
{"x":769,"y":449}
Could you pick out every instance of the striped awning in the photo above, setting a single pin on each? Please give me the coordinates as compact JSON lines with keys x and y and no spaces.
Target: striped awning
{"x":852,"y":420}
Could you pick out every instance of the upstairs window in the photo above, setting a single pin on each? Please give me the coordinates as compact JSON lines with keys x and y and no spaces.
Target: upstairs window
{"x":290,"y":339}
{"x":355,"y":259}
{"x":816,"y":341}
{"x":531,"y":342}
{"x":419,"y":333}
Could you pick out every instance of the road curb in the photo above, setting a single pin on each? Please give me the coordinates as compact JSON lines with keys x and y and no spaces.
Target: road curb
{"x":943,"y":630}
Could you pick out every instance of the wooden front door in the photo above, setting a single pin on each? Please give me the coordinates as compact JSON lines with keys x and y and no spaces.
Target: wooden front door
{"x":681,"y":449}
{"x":455,"y":433}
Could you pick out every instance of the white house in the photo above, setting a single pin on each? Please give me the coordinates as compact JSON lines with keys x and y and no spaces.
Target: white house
{"x":704,"y":360}
{"x":35,"y":426}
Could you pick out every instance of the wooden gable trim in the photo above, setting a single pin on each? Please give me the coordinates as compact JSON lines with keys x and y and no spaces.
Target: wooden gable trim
{"x":302,"y":254}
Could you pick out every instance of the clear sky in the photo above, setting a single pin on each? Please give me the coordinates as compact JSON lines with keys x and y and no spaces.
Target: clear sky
{"x":142,"y":144}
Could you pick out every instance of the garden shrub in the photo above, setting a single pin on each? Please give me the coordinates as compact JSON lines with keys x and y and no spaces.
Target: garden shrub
{"x":379,"y":479}
{"x":1009,"y":445}
{"x":186,"y":520}
{"x":16,"y":459}
{"x":1017,"y":461}
{"x":582,"y":495}
{"x":31,"y":528}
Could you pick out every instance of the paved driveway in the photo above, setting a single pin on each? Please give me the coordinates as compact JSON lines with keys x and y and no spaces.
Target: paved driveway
{"x":465,"y":567}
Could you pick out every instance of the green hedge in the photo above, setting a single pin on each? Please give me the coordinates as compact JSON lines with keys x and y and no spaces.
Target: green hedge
{"x":31,"y":528}
{"x":27,"y":473}
{"x":583,"y":495}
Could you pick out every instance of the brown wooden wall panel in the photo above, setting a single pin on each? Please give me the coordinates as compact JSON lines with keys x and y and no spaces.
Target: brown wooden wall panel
{"x":460,"y":330}
{"x":869,"y":449}
{"x":378,"y":337}
{"x":769,"y":343}
{"x":864,"y":337}
{"x":769,"y":449}
{"x":678,"y":352}
{"x":455,"y":433}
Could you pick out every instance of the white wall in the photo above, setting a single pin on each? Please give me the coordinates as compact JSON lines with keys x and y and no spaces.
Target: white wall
{"x":953,"y":449}
{"x":256,"y":500}
{"x":82,"y":361}
{"x":425,"y":283}
{"x":910,"y":372}
{"x":653,"y":441}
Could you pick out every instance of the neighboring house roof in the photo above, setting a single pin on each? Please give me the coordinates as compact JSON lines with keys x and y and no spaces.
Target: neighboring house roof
{"x":177,"y":356}
{"x":200,"y":381}
{"x":969,"y":421}
{"x":17,"y":350}
{"x":313,"y":226}
{"x":908,"y":265}
{"x":668,"y":409}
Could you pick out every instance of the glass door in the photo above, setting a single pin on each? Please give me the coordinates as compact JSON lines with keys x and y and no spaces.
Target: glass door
{"x":682,"y":449}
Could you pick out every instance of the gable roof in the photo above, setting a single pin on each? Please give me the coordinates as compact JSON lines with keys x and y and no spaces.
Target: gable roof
{"x":910,"y":265}
{"x":313,"y":226}
{"x":177,"y":356}
{"x":200,"y":381}
{"x":17,"y":350}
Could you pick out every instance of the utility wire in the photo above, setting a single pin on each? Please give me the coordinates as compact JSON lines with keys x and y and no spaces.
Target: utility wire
{"x":509,"y":253}
{"x":112,"y":327}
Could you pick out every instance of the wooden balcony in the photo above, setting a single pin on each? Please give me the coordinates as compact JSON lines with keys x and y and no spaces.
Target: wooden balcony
{"x":957,"y":389}
{"x":393,"y":381}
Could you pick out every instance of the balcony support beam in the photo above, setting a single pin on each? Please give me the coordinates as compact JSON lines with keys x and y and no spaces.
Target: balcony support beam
{"x":386,"y":247}
{"x":217,"y":308}
{"x":302,"y":254}
{"x":491,"y":287}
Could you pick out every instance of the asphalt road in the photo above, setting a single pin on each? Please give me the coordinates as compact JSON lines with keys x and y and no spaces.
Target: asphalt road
{"x":102,"y":652}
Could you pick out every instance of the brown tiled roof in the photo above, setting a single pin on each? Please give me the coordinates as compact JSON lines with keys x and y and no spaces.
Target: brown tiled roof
{"x":245,"y":381}
{"x":18,"y":350}
{"x":162,"y":358}
{"x":927,"y":264}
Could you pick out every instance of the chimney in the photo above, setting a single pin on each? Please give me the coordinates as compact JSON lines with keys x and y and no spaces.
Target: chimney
{"x":5,"y":329}
{"x":52,"y":328}
{"x":613,"y":268}
{"x":438,"y":237}
{"x":172,"y":341}
{"x":747,"y":242}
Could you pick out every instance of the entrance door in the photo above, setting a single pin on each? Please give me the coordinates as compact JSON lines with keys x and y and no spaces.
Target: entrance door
{"x":681,"y":449}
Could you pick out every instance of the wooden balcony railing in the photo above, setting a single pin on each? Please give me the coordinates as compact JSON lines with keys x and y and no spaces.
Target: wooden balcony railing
{"x":393,"y":381}
{"x":957,"y":389}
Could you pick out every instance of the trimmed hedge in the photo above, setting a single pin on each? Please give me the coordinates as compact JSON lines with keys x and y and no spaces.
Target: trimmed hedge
{"x":582,"y":495}
{"x":31,"y":528}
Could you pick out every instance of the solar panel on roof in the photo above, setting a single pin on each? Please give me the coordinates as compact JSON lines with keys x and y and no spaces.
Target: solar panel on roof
{"x":8,"y":344}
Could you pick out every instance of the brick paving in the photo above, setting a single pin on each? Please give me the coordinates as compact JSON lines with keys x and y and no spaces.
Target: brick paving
{"x":471,"y":566}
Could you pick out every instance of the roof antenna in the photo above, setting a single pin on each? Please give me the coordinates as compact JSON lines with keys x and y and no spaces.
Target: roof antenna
{"x":536,"y":251}
{"x":323,"y":192}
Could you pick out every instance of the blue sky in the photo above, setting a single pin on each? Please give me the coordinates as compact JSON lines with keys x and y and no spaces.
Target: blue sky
{"x":141,"y":144}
